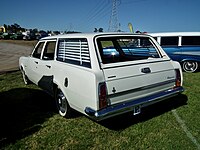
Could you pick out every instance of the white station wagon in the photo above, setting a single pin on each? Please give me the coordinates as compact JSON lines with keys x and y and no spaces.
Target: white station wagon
{"x":102,"y":74}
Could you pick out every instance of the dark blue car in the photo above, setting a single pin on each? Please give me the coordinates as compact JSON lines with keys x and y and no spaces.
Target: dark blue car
{"x":183,"y":47}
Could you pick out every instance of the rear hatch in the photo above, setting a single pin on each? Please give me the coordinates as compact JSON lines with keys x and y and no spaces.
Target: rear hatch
{"x":133,"y":68}
{"x":132,"y":81}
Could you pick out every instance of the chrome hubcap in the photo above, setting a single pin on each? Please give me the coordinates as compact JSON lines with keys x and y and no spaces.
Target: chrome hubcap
{"x":190,"y":66}
{"x":62,"y":104}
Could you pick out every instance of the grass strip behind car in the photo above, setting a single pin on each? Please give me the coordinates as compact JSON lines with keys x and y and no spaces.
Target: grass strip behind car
{"x":29,"y":121}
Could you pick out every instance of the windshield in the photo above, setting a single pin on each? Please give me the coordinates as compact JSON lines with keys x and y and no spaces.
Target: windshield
{"x":120,"y":49}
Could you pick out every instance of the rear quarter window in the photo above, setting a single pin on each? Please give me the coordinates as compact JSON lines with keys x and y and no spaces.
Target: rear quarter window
{"x":74,"y":51}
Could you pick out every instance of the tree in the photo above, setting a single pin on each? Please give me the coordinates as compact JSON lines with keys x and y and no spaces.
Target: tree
{"x":35,"y":30}
{"x":95,"y":30}
{"x":14,"y":28}
{"x":5,"y":26}
{"x":98,"y":30}
{"x":8,"y":28}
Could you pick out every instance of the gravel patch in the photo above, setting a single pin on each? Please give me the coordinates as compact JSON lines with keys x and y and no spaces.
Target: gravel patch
{"x":10,"y":54}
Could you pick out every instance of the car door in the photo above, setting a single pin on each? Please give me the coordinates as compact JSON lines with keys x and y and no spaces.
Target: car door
{"x":34,"y":63}
{"x":45,"y":67}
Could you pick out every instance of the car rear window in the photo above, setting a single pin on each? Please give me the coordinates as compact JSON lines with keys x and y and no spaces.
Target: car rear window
{"x":120,"y":49}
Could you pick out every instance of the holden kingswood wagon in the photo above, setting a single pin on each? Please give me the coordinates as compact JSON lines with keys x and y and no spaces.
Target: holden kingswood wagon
{"x":102,"y":74}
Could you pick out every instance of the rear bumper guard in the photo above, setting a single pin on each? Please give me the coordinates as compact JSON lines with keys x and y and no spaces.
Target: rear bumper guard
{"x":124,"y":107}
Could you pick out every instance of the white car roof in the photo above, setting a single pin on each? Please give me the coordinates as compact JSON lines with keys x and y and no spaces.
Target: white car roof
{"x":175,"y":34}
{"x":89,"y":35}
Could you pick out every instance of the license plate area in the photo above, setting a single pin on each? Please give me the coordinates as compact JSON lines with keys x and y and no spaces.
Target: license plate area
{"x":136,"y":110}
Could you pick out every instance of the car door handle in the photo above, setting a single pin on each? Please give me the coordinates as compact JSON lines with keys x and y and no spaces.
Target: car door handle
{"x":146,"y":70}
{"x":36,"y":62}
{"x":48,"y":66}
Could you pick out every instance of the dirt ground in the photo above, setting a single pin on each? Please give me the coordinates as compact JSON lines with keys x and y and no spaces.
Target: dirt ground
{"x":10,"y":54}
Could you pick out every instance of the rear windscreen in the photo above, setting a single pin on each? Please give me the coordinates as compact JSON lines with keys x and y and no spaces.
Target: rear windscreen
{"x":120,"y":49}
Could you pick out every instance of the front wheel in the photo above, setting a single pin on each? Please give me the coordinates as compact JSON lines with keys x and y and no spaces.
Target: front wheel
{"x":190,"y":66}
{"x":62,"y":104}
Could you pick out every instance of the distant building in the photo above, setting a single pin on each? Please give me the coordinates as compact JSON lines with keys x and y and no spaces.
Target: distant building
{"x":2,"y":29}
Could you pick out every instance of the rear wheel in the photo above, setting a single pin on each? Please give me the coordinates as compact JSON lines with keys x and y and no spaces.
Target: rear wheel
{"x":190,"y":66}
{"x":62,"y":104}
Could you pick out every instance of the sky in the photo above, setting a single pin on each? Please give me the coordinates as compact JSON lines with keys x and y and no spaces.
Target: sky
{"x":85,"y":15}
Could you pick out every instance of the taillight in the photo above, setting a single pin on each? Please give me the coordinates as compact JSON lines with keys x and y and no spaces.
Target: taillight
{"x":178,"y":78}
{"x":102,"y":95}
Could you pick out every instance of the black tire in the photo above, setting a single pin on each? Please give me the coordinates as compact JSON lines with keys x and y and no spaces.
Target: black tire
{"x":190,"y":66}
{"x":62,"y":104}
{"x":25,"y":78}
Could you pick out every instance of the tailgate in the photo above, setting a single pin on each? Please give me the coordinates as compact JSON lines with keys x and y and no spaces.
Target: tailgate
{"x":131,"y":81}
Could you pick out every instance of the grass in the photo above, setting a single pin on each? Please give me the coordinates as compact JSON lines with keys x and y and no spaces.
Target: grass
{"x":29,"y":120}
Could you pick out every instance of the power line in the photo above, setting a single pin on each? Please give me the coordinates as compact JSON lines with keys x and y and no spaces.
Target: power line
{"x":97,"y":13}
{"x":91,"y":11}
{"x":132,"y":1}
{"x":99,"y":18}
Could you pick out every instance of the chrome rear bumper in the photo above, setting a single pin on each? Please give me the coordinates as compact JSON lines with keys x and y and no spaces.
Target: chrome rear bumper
{"x":128,"y":106}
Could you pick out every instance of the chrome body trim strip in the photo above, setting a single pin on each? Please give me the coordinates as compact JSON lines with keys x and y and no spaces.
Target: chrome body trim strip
{"x":143,"y":88}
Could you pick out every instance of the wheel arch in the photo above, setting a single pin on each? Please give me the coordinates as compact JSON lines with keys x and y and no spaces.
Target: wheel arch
{"x":21,"y":67}
{"x":190,"y":59}
{"x":66,"y":110}
{"x":56,"y":86}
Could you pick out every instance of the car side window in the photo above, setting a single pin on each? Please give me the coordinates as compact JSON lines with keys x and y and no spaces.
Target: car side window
{"x":156,"y":38}
{"x":191,"y":40}
{"x":49,"y":50}
{"x":38,"y":50}
{"x":169,"y":41}
{"x":74,"y":51}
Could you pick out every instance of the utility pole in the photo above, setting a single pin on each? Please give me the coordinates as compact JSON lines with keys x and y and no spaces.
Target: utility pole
{"x":113,"y":22}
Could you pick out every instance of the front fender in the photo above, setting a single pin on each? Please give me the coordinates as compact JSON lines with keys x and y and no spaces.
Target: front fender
{"x":23,"y":61}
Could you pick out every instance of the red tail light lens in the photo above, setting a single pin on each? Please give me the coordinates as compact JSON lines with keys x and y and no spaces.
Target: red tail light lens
{"x":102,"y":95}
{"x":178,"y":78}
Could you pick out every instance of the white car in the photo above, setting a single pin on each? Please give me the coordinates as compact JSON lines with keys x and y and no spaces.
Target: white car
{"x":102,"y":74}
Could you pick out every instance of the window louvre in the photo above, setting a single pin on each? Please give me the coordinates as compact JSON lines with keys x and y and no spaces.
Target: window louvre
{"x":74,"y":51}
